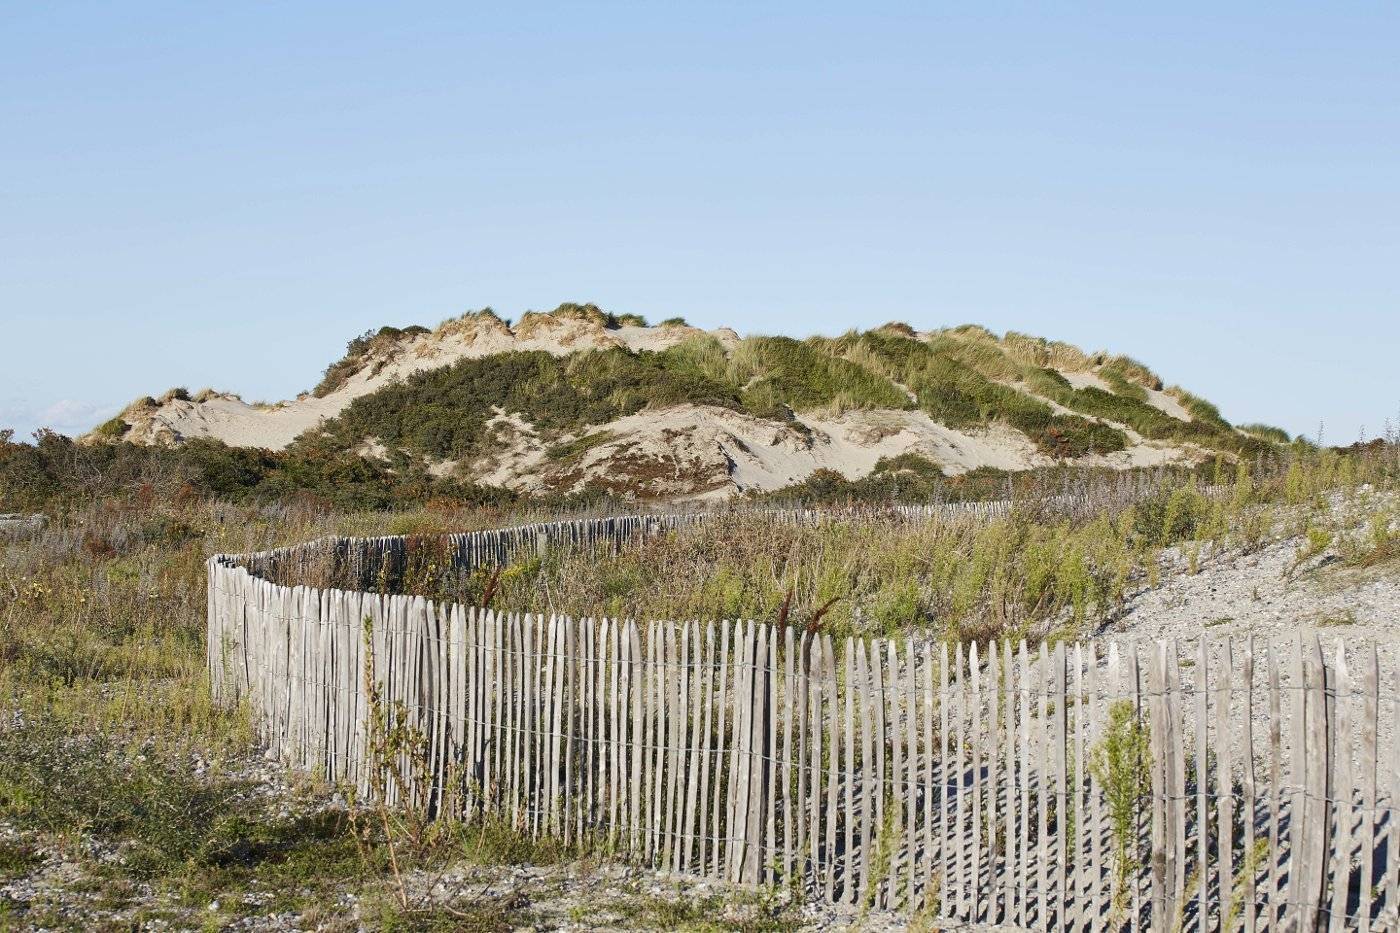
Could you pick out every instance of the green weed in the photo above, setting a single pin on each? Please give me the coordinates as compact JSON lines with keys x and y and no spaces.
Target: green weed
{"x":1120,"y":763}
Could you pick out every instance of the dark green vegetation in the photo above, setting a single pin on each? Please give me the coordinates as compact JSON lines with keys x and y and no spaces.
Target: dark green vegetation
{"x":963,"y":378}
{"x":967,"y":377}
{"x":357,"y":352}
{"x":956,"y":382}
{"x":55,"y":472}
{"x":1207,"y":428}
{"x":369,"y":351}
{"x":443,"y":413}
{"x":914,"y":478}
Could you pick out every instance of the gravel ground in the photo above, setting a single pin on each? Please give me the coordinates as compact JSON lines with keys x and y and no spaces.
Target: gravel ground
{"x":64,"y":894}
{"x":1275,"y":598}
{"x":69,"y":887}
{"x":1264,"y":595}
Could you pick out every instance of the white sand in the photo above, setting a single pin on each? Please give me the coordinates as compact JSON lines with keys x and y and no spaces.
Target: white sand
{"x":228,"y":418}
{"x":686,"y":450}
{"x":710,"y":452}
{"x":1166,"y":403}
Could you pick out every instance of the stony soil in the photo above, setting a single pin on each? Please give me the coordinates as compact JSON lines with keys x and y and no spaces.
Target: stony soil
{"x":1267,"y":594}
{"x":71,"y":892}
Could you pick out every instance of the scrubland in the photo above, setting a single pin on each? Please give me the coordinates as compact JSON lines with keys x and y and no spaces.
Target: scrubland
{"x":127,"y":798}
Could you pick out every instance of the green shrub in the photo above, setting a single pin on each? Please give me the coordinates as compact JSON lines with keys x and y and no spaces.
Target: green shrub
{"x":1267,"y":432}
{"x":963,"y":378}
{"x":112,"y":429}
{"x":353,"y":361}
{"x":442,"y":413}
{"x":1121,"y":763}
{"x":1069,"y":436}
{"x":804,"y":377}
{"x":1172,"y":514}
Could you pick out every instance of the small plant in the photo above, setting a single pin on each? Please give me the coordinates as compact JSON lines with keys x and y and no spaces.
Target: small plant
{"x":1377,"y":544}
{"x":1193,"y":557}
{"x":1317,"y":540}
{"x":1253,"y":529}
{"x":112,"y":429}
{"x":1336,"y":619}
{"x":885,"y":841}
{"x":16,"y":858}
{"x":1248,"y":868}
{"x":1120,"y":762}
{"x":399,"y":766}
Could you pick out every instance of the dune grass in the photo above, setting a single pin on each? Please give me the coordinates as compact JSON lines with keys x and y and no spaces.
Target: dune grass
{"x":1268,"y":432}
{"x":962,"y":383}
{"x":965,"y":378}
{"x":779,"y":373}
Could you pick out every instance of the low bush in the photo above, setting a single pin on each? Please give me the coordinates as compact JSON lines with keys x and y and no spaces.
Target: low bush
{"x":442,"y":413}
{"x":148,"y":799}
{"x":1268,"y":432}
{"x":778,"y":373}
{"x":960,"y":579}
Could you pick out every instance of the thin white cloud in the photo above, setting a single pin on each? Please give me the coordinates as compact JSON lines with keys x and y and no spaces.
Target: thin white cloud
{"x":66,"y":416}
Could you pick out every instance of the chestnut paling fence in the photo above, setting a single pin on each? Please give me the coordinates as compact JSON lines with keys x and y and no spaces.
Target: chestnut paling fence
{"x":1216,"y":784}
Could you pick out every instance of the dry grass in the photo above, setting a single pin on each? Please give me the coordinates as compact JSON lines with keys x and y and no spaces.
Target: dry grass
{"x":103,"y":692}
{"x":109,"y":741}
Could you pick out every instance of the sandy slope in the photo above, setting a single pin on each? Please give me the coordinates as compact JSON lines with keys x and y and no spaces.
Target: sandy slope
{"x":228,"y":418}
{"x":1155,"y":397}
{"x":707,"y":452}
{"x":684,"y":451}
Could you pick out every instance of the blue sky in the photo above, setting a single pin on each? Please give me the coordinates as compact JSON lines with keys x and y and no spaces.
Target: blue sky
{"x":199,"y":195}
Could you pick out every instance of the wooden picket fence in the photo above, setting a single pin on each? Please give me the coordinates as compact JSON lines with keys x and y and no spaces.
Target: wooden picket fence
{"x":1221,"y":784}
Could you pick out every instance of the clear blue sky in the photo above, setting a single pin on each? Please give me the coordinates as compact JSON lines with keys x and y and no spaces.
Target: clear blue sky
{"x":200,"y":196}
